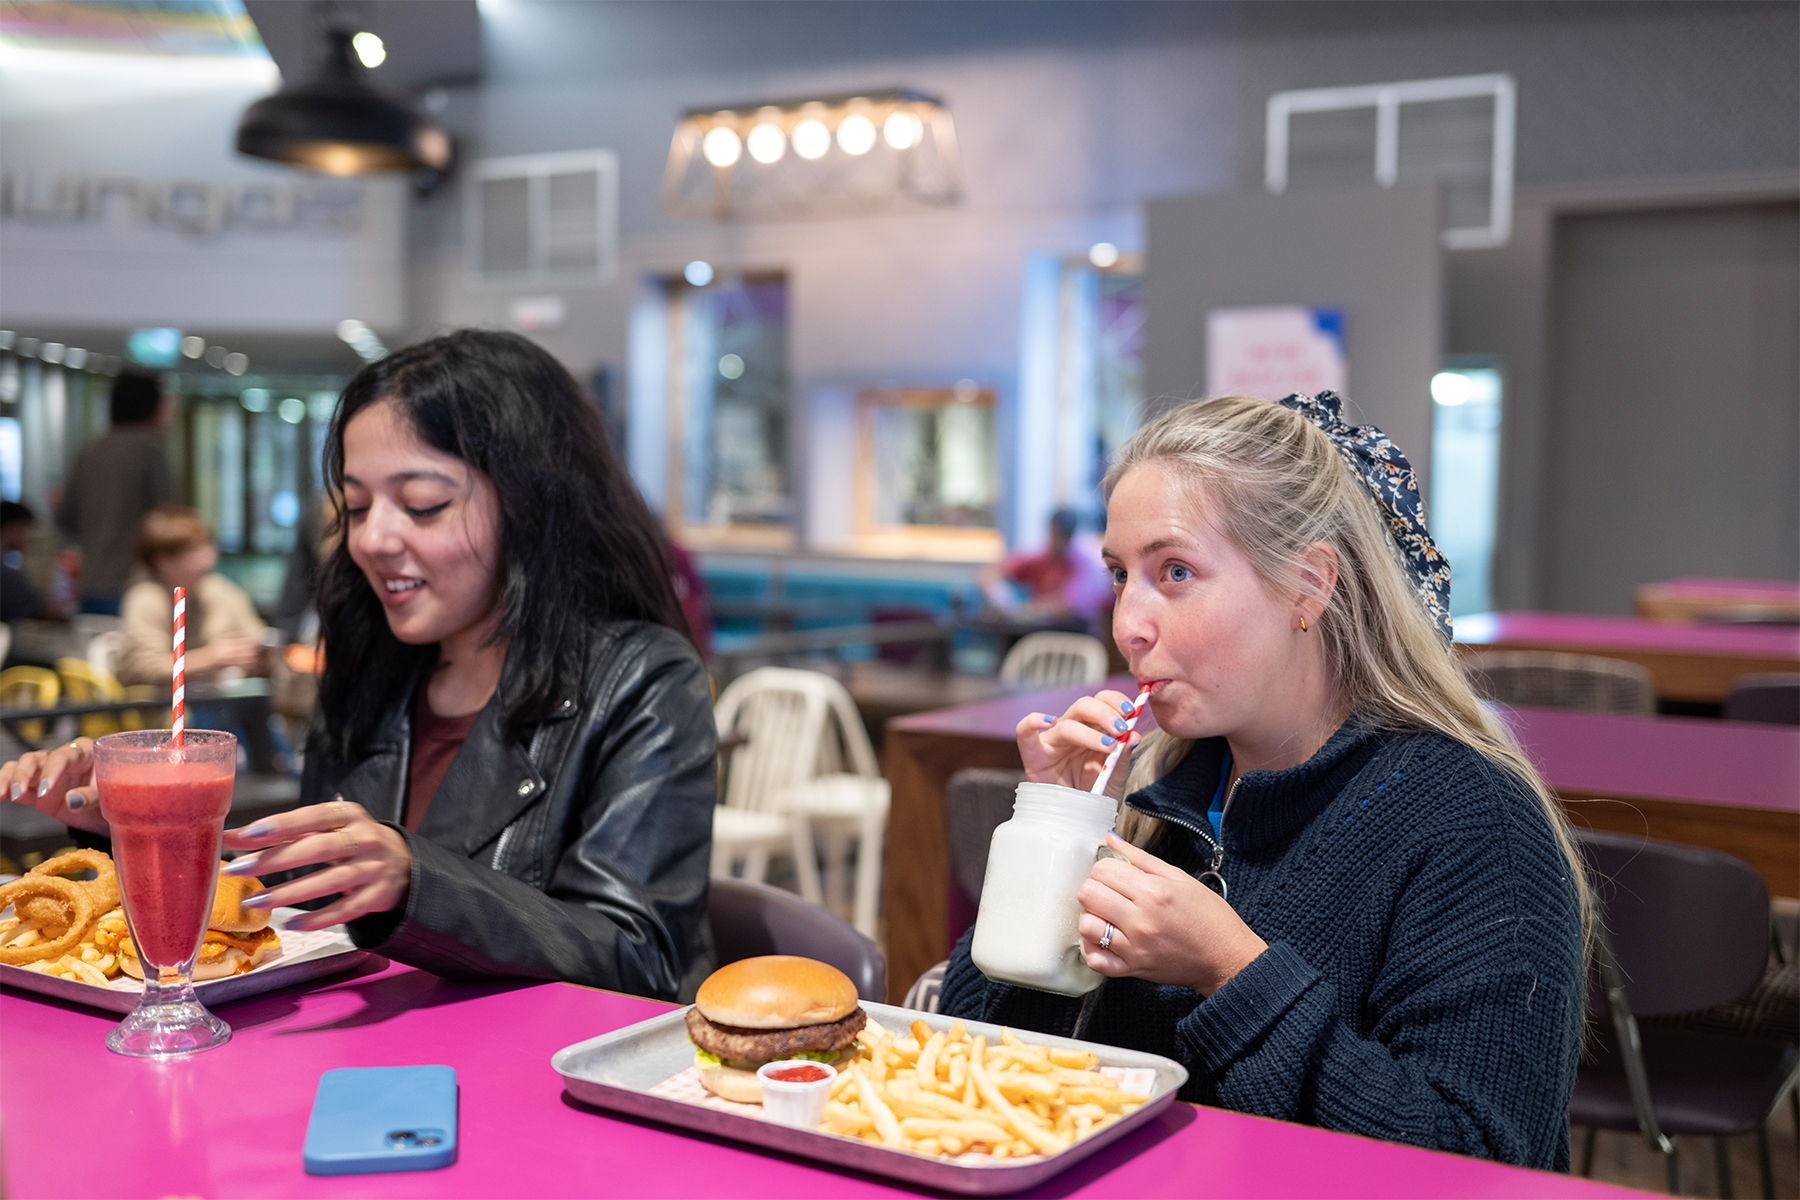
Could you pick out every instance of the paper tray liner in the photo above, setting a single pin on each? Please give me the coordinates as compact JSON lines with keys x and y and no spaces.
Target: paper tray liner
{"x":687,"y":1088}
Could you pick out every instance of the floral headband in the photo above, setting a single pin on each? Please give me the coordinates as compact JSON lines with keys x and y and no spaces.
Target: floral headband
{"x":1375,"y":460}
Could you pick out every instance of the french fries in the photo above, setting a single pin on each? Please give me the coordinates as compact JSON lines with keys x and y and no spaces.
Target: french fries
{"x":946,"y":1093}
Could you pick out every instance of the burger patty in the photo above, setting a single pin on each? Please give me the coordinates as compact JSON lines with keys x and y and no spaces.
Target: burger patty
{"x":732,"y":1041}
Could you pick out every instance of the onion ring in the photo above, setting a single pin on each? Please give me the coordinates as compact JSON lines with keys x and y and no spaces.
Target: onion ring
{"x":102,"y":889}
{"x":78,"y":912}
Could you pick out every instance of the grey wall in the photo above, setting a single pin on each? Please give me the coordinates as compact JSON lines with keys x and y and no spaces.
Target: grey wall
{"x":1069,"y":114}
{"x":1673,"y":442}
{"x":1370,"y":253}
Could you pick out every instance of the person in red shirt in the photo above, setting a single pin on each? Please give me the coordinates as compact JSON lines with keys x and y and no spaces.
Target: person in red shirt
{"x":1051,"y":577}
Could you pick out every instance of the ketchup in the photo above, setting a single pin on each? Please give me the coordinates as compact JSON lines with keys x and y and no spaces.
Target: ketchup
{"x":801,"y":1074}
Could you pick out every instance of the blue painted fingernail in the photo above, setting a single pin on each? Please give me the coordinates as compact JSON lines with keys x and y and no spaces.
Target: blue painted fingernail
{"x":1119,"y":724}
{"x":242,"y":866}
{"x":18,"y":790}
{"x":260,"y":829}
{"x":75,"y":801}
{"x":1106,"y":741}
{"x":260,"y":900}
{"x":1125,"y":707}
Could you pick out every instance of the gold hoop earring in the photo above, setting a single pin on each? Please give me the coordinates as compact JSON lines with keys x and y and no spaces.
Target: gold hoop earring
{"x":1302,"y":624}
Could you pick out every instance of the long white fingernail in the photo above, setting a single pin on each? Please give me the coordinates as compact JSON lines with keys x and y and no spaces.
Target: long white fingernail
{"x":43,"y":787}
{"x":18,"y":790}
{"x":242,"y":866}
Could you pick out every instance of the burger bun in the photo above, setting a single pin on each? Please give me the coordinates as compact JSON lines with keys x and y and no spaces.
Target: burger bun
{"x":732,"y":1083}
{"x":228,"y":912}
{"x":776,"y":991}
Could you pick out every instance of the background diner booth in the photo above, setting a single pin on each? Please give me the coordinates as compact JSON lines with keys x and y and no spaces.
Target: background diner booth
{"x":864,"y":300}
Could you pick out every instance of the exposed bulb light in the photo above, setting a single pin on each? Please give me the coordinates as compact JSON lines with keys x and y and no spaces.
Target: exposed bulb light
{"x":903,"y":130}
{"x":731,"y":366}
{"x":292,"y":410}
{"x":856,"y":134}
{"x":192,"y":346}
{"x":369,"y":49}
{"x":699,"y":273}
{"x":1103,"y":254}
{"x":721,"y":146}
{"x":236,"y":364}
{"x":765,"y":143}
{"x":811,"y":139}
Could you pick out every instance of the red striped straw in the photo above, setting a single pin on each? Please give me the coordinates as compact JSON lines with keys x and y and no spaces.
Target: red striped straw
{"x":180,"y":715}
{"x":1112,"y":760}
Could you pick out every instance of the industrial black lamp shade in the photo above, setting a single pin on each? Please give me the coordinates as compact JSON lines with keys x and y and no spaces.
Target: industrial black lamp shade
{"x":338,"y":124}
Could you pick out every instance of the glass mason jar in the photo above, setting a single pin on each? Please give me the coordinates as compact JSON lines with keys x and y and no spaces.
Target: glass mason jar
{"x":1025,"y":933}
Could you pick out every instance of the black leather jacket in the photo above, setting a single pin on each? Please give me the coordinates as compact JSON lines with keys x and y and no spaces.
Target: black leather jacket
{"x":579,"y":853}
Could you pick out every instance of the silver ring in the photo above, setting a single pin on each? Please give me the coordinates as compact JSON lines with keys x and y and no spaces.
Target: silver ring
{"x":1106,"y":938}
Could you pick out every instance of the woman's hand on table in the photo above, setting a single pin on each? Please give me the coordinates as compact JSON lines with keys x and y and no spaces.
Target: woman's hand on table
{"x":58,"y":783}
{"x":369,"y":866}
{"x":1168,"y":927}
{"x":1070,"y":750}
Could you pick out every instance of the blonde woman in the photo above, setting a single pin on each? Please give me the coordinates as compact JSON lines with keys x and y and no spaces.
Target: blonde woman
{"x":1344,"y":898}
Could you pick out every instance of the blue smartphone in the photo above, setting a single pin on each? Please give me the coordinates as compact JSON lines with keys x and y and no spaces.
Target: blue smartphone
{"x":374,"y":1119}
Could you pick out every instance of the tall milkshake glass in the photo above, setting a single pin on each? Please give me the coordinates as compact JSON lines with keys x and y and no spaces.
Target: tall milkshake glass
{"x":166,"y":805}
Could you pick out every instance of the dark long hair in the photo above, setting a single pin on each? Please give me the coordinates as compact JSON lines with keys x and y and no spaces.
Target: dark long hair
{"x":578,"y":546}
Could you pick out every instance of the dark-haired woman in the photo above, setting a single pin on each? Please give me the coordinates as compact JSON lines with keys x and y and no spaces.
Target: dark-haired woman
{"x":512,"y":768}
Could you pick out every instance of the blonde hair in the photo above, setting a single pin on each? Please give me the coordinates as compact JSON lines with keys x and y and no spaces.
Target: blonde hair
{"x":169,"y":530}
{"x":1276,"y":485}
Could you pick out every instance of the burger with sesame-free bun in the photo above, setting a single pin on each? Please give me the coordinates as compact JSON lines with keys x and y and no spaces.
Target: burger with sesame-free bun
{"x":237,"y":938}
{"x":758,"y":1010}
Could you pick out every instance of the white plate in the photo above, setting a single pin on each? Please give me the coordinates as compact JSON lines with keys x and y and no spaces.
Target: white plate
{"x":304,"y":956}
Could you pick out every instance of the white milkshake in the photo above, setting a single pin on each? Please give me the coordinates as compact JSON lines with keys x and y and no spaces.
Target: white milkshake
{"x":1026,"y":930}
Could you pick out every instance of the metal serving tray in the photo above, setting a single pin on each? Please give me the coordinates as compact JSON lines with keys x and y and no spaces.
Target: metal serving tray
{"x":616,"y":1071}
{"x":304,"y":957}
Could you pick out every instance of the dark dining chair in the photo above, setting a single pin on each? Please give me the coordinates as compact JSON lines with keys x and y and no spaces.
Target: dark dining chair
{"x":749,"y":919}
{"x":1681,"y":929}
{"x":1774,"y":699}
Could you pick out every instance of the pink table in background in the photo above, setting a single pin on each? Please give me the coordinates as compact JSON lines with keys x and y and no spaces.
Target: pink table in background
{"x":229,"y":1123}
{"x":1688,"y":662}
{"x":1725,"y":785}
{"x":1691,"y":599}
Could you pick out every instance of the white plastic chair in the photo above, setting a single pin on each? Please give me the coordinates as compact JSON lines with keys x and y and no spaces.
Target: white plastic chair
{"x":103,"y":652}
{"x":805,"y":759}
{"x":1054,"y":660}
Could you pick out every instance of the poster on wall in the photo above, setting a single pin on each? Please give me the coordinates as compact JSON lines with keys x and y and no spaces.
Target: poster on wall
{"x":1275,"y":350}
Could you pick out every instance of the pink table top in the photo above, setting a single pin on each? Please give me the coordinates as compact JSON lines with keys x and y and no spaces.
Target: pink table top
{"x":1675,"y":758}
{"x":999,"y":718}
{"x":83,"y":1122}
{"x":1774,"y":591}
{"x":1584,"y":632}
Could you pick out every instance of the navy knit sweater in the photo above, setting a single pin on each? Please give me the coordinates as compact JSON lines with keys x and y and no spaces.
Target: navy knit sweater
{"x":1423,"y":981}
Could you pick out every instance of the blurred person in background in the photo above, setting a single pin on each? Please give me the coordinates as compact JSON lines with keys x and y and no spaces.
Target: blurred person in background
{"x":118,"y":478}
{"x":20,"y":599}
{"x":224,"y":631}
{"x":226,"y":638}
{"x":1064,"y":582}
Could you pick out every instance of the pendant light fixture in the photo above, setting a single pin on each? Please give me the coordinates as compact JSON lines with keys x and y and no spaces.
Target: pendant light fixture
{"x":338,"y":124}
